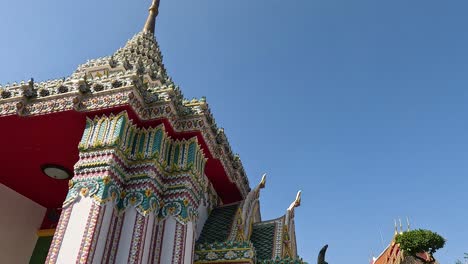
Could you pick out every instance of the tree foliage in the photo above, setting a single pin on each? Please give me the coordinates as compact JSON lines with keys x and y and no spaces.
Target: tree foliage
{"x":420,"y":240}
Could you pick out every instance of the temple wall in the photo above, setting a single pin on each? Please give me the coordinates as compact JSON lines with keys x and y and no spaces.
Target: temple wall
{"x":19,"y":223}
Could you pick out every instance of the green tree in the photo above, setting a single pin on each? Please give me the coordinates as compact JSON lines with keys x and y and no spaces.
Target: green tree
{"x":420,"y":240}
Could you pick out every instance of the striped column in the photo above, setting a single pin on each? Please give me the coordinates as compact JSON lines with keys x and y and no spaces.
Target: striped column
{"x":79,"y":233}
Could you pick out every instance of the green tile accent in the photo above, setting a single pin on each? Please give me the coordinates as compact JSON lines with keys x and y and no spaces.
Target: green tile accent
{"x":218,"y":225}
{"x":191,"y":153}
{"x":263,"y":236}
{"x":176,"y":155}
{"x":102,"y":130}
{"x":142,"y":143}
{"x":157,"y":141}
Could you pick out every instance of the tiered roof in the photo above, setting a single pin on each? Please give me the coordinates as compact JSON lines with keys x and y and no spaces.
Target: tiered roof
{"x":218,"y":225}
{"x":134,"y":77}
{"x":263,"y":239}
{"x":235,"y":233}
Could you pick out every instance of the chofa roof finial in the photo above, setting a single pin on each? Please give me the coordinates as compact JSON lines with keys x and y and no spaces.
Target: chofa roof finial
{"x":262,"y":183}
{"x":297,"y":201}
{"x":151,"y":20}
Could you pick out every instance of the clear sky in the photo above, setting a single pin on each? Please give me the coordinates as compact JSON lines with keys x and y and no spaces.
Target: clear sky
{"x":362,"y":104}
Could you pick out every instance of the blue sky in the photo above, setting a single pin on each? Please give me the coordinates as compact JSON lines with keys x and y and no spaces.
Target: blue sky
{"x":361,"y":104}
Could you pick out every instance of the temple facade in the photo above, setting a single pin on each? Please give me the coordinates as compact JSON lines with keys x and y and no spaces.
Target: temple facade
{"x":393,"y":254}
{"x":113,"y":165}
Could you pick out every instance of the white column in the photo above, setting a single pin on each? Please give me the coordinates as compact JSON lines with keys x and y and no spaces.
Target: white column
{"x":168,"y":240}
{"x":126,"y":236}
{"x":189,"y":243}
{"x":178,"y":242}
{"x":113,"y":236}
{"x":157,"y":242}
{"x":150,"y":234}
{"x":79,"y":229}
{"x":85,"y":233}
{"x":71,"y":241}
{"x":97,"y":255}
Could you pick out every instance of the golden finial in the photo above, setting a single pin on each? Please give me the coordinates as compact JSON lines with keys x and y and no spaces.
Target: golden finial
{"x":290,"y":211}
{"x":151,"y":20}
{"x":262,"y":183}
{"x":297,"y":202}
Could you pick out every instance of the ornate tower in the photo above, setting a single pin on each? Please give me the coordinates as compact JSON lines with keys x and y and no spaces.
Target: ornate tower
{"x":154,"y":179}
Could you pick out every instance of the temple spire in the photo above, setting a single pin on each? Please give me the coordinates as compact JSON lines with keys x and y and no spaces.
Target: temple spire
{"x":151,"y":20}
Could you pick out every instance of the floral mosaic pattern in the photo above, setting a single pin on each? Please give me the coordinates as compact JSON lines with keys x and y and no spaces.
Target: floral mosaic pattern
{"x":242,"y":252}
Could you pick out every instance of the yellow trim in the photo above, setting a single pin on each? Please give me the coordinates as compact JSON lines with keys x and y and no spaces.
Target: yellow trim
{"x":45,"y":232}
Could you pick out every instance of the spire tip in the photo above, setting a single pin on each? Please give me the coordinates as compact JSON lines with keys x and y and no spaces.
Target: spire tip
{"x":151,"y":20}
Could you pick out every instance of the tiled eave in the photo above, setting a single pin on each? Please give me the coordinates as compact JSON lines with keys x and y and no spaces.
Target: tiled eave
{"x":117,"y":87}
